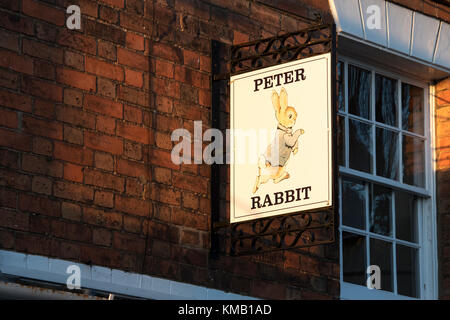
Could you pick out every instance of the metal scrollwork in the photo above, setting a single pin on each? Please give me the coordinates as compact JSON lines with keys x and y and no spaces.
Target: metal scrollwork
{"x":287,"y":47}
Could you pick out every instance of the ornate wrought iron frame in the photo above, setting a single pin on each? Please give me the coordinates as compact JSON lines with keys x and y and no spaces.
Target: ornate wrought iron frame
{"x":283,"y":232}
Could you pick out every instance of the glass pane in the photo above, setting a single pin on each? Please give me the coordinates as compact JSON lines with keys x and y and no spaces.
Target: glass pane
{"x":407,"y":271}
{"x":381,"y":255}
{"x":381,"y":213}
{"x":340,"y":97}
{"x":387,"y":153}
{"x":412,"y":108}
{"x":341,"y":140}
{"x":413,"y":161}
{"x":354,"y":258}
{"x":406,"y":206}
{"x":360,"y":146}
{"x":386,"y":100}
{"x":353,"y":204}
{"x":359,"y":84}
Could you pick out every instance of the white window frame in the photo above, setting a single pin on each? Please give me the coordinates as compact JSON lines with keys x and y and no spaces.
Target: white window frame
{"x":427,"y":229}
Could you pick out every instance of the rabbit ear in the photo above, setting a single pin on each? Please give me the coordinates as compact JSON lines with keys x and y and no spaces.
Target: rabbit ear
{"x":275,"y":101}
{"x":283,"y":99}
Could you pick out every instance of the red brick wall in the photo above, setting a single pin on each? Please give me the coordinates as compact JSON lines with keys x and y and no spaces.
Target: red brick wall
{"x":85,"y":124}
{"x":443,"y":184}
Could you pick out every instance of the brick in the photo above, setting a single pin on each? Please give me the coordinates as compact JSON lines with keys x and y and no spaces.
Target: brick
{"x":75,"y":116}
{"x":163,"y":231}
{"x":77,"y":41}
{"x":13,"y":61}
{"x":71,"y":231}
{"x":15,"y":140}
{"x":133,"y":206}
{"x":101,"y":237}
{"x":6,"y":239}
{"x":128,"y":242}
{"x":191,"y":59}
{"x":43,"y":51}
{"x":14,"y":180}
{"x":103,"y":143}
{"x":191,"y":183}
{"x":45,"y":31}
{"x":74,"y":60}
{"x":71,"y":211}
{"x":190,"y":200}
{"x":44,"y":69}
{"x":164,"y":69}
{"x":8,"y":198}
{"x":76,"y":79}
{"x":72,"y":153}
{"x":16,"y":23}
{"x":166,"y":52}
{"x":41,"y":89}
{"x":115,"y":3}
{"x":38,"y":245}
{"x":190,"y":237}
{"x":132,"y":59}
{"x":132,"y":150}
{"x":10,"y":5}
{"x":9,"y":159}
{"x":104,"y":31}
{"x":108,"y":14}
{"x":42,"y":128}
{"x":103,"y":161}
{"x":14,"y":220}
{"x":41,"y":165}
{"x":72,"y":191}
{"x":163,"y":175}
{"x":134,"y":133}
{"x":107,"y":50}
{"x":101,"y":256}
{"x":9,"y":40}
{"x":106,"y":124}
{"x":134,"y":187}
{"x":102,"y":218}
{"x":104,"y":69}
{"x":205,"y":63}
{"x":134,"y":41}
{"x":73,"y":172}
{"x":191,"y":220}
{"x":134,"y":78}
{"x":133,"y":96}
{"x":164,"y":104}
{"x":43,"y":12}
{"x":37,"y":204}
{"x":15,"y":101}
{"x":104,"y":199}
{"x":103,"y":106}
{"x":73,"y":135}
{"x":162,"y":158}
{"x":8,"y":118}
{"x":73,"y":97}
{"x":131,"y":224}
{"x":103,"y":180}
{"x":41,"y":185}
{"x":166,"y":87}
{"x":132,"y":114}
{"x":69,"y":250}
{"x":9,"y":79}
{"x":106,"y":88}
{"x":131,"y":168}
{"x":44,"y":109}
{"x":135,"y":23}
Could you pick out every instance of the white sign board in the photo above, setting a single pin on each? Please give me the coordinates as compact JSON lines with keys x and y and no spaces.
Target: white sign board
{"x":281,"y":139}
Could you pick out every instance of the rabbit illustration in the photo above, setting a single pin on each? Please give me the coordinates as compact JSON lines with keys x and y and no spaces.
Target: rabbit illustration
{"x":272,"y":164}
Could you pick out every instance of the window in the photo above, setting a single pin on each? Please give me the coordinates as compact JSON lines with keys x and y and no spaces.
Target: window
{"x":385,"y":183}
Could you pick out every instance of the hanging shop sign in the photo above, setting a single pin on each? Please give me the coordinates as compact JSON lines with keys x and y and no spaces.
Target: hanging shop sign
{"x":281,"y":158}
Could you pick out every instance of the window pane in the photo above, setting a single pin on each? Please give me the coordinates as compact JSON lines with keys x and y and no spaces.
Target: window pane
{"x":354,"y":258}
{"x":381,"y":255}
{"x":386,"y":100}
{"x":387,"y":153}
{"x":340,"y":97}
{"x":381,"y":213}
{"x":341,"y":140}
{"x":359,"y":84}
{"x":406,"y":206}
{"x":360,"y":145}
{"x":412,"y":108}
{"x":407,"y":271}
{"x":353,"y":204}
{"x":413,"y":161}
